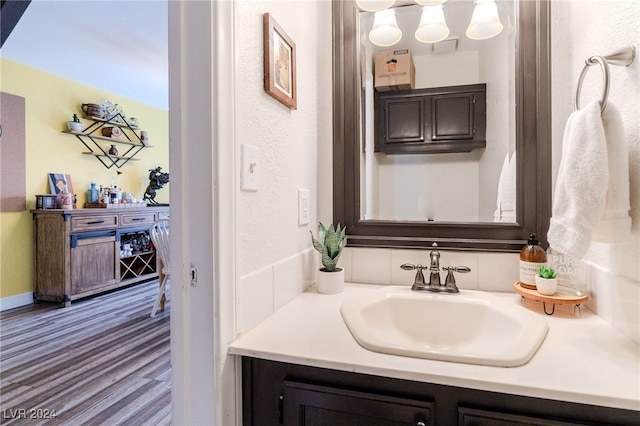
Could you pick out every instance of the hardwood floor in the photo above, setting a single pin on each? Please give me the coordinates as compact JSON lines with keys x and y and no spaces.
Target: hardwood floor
{"x":101,"y":361}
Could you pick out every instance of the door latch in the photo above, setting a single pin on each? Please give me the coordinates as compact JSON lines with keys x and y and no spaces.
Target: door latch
{"x":194,"y":276}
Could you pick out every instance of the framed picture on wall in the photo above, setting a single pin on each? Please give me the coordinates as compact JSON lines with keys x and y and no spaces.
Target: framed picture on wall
{"x":279,"y":63}
{"x":59,"y":182}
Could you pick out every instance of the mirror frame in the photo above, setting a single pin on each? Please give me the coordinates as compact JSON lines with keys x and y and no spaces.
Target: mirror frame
{"x":533,"y":146}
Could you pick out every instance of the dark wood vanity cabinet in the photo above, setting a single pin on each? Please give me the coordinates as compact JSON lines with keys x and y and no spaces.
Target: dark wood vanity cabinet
{"x":276,"y":393}
{"x":436,"y":120}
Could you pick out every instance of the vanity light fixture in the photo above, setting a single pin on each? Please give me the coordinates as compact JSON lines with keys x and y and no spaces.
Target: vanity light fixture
{"x":433,"y":27}
{"x":375,"y":5}
{"x":485,"y":22}
{"x":430,"y":2}
{"x":385,"y":30}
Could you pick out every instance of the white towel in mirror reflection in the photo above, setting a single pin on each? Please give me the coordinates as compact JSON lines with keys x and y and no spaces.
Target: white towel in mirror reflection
{"x":506,"y":199}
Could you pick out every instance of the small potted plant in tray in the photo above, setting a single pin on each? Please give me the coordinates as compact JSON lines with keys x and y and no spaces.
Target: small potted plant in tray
{"x":546,"y":281}
{"x":329,"y":244}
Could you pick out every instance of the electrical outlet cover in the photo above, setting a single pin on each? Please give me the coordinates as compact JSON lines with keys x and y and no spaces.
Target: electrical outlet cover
{"x":304,"y":207}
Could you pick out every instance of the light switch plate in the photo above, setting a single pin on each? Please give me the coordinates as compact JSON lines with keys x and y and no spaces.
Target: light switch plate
{"x":250,"y":173}
{"x":304,"y":206}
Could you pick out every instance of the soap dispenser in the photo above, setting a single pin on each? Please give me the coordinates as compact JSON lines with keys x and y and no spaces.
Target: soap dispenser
{"x":532,"y":257}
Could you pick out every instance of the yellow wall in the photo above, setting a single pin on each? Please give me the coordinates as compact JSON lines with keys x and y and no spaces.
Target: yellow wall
{"x":51,"y":101}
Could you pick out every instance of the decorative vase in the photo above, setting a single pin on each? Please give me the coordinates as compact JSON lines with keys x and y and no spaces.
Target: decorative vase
{"x":113,"y":150}
{"x":330,"y":282}
{"x":93,"y":193}
{"x":546,"y":286}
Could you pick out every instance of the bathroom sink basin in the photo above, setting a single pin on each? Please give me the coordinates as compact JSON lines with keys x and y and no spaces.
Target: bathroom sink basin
{"x":469,"y":327}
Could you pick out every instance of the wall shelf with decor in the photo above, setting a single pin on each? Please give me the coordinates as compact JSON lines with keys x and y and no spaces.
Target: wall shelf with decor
{"x":117,"y":132}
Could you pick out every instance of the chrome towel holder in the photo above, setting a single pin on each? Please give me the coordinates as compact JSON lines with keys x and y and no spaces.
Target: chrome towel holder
{"x":624,"y":56}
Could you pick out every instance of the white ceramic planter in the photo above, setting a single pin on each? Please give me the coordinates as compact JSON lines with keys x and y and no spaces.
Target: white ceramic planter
{"x":546,"y":286}
{"x":75,"y":126}
{"x":330,"y":282}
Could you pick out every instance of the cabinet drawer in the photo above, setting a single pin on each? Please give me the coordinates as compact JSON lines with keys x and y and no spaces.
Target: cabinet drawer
{"x":137,"y":219}
{"x":88,"y":223}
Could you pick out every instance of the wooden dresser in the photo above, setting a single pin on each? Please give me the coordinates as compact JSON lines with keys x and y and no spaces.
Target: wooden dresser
{"x":77,"y":253}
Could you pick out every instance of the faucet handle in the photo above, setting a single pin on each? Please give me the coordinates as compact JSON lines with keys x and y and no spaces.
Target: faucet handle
{"x":462,"y":269}
{"x":450,"y":281}
{"x":418,"y":282}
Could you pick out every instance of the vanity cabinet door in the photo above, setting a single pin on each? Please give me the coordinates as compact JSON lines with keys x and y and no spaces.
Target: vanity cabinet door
{"x":474,"y":417}
{"x":310,"y":405}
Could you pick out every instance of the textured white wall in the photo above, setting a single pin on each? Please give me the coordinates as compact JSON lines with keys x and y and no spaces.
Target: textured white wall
{"x":289,"y":141}
{"x":581,"y":29}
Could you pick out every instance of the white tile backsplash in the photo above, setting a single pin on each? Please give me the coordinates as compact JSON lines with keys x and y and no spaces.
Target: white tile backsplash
{"x":498,"y":271}
{"x":262,"y":292}
{"x":614,"y":298}
{"x":371,"y":265}
{"x":344,"y":262}
{"x":489,"y":271}
{"x":626,"y":316}
{"x":254,"y":299}
{"x":289,"y":279}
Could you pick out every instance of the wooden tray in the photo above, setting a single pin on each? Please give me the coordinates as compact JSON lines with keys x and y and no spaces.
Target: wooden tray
{"x":563,"y":296}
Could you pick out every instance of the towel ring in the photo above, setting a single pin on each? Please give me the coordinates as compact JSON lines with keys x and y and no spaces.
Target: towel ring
{"x":624,"y":56}
{"x":594,"y":60}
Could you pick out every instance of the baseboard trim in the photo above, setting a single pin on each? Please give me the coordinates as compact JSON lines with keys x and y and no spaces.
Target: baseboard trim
{"x":16,"y":301}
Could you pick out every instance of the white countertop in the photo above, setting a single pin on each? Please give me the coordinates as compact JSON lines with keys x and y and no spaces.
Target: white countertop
{"x":582,"y":359}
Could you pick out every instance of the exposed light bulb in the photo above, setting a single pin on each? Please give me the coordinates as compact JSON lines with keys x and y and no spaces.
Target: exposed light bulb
{"x":374,"y":5}
{"x":385,"y":31}
{"x":485,"y":22}
{"x":433,"y":27}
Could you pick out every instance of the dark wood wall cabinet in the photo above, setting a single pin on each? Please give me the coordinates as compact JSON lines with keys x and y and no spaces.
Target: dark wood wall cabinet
{"x":276,"y":393}
{"x":436,"y":120}
{"x":77,"y":252}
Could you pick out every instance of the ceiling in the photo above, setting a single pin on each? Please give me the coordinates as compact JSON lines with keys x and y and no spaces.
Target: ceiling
{"x":122,"y":46}
{"x":117,"y":46}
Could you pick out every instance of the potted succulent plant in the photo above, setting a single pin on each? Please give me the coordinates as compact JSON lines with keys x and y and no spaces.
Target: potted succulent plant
{"x":329,"y":244}
{"x":546,"y":281}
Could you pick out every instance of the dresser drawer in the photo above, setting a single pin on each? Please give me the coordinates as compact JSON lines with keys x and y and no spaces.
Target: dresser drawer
{"x":135,"y":219}
{"x":88,"y":223}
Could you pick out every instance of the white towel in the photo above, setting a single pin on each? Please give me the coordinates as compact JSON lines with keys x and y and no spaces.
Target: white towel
{"x":615,"y":222}
{"x":506,"y":199}
{"x":582,"y":182}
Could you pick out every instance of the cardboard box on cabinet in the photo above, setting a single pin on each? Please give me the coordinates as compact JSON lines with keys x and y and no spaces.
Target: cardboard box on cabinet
{"x":394,"y":70}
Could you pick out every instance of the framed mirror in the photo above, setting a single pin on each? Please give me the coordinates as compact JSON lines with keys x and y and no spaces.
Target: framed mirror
{"x":532,"y":146}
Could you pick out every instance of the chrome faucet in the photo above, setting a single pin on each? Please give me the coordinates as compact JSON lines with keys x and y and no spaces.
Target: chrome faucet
{"x":435,"y":284}
{"x":434,"y":279}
